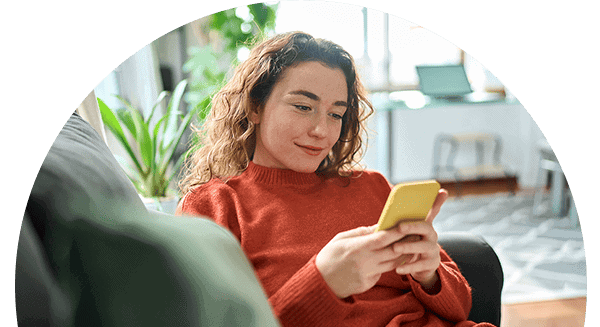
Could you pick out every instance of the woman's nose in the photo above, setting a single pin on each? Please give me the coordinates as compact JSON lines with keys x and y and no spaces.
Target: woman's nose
{"x":319,"y":127}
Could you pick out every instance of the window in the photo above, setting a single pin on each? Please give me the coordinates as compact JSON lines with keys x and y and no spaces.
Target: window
{"x":386,"y":48}
{"x":340,"y":23}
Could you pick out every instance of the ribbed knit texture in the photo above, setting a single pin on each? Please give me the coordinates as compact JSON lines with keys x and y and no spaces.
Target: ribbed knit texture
{"x":284,"y":218}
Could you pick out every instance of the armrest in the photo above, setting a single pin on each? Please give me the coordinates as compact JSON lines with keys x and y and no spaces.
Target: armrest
{"x":480,"y":265}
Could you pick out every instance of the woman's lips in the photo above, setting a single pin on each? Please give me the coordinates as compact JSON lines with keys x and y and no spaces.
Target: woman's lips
{"x":311,"y":150}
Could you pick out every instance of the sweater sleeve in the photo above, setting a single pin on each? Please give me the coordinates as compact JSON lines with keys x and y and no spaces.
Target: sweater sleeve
{"x":306,"y":300}
{"x":453,"y":301}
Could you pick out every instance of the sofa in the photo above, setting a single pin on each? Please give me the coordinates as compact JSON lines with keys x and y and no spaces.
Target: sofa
{"x":91,"y":254}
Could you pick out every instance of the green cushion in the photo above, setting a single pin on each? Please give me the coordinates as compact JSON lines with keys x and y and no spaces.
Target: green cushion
{"x":90,"y":254}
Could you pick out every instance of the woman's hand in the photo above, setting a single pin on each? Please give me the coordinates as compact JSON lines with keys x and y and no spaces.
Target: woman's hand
{"x":353,"y":261}
{"x":426,"y":251}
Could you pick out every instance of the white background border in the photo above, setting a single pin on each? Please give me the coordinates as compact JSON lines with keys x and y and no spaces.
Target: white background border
{"x":55,"y":52}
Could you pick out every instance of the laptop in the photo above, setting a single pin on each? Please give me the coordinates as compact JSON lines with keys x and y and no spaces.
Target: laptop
{"x":447,"y":82}
{"x":450,"y":83}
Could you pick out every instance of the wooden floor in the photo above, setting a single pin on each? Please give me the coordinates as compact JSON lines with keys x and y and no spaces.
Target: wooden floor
{"x":559,"y":313}
{"x":483,"y":186}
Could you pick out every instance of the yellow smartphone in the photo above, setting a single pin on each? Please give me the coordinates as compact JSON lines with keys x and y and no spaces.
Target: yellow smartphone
{"x":410,"y":201}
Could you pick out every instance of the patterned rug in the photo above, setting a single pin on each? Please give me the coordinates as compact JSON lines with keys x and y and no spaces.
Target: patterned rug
{"x":542,"y":255}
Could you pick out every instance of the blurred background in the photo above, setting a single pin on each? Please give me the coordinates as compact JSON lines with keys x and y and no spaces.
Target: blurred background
{"x":386,"y":48}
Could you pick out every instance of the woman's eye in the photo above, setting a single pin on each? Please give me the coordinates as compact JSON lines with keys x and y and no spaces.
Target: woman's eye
{"x":301,"y":107}
{"x":336,"y":116}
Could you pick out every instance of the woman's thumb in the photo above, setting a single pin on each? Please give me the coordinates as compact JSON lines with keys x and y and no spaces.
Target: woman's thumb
{"x":360,"y":231}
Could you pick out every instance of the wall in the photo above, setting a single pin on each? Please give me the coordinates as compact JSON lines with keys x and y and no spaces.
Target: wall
{"x":414,"y":133}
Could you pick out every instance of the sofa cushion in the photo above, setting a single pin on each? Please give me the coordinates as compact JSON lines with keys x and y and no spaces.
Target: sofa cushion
{"x":79,"y":166}
{"x":91,"y":254}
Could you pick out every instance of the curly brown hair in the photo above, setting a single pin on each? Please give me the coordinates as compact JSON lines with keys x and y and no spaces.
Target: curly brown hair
{"x":228,"y":135}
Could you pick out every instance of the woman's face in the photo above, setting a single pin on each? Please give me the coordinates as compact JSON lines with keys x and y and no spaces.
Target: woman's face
{"x":302,"y":118}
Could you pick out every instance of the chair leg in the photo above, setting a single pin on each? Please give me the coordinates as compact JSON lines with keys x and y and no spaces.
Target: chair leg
{"x":540,"y":186}
{"x":558,"y":192}
{"x":573,"y":216}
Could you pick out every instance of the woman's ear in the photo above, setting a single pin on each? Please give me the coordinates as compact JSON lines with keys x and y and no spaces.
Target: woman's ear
{"x":254,"y":116}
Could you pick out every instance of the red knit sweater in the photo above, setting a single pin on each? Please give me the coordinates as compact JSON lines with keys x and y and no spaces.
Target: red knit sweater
{"x":283,"y":219}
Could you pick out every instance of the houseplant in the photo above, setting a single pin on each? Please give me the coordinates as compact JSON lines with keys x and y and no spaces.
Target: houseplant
{"x":225,"y":34}
{"x":150,"y":144}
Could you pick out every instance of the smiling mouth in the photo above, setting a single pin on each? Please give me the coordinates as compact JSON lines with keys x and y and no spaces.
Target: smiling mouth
{"x":311,"y":150}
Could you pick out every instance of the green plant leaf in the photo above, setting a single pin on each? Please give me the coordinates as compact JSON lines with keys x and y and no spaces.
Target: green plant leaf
{"x":172,"y":120}
{"x":127,"y":104}
{"x":141,"y":136}
{"x":208,"y":65}
{"x":170,"y":148}
{"x":161,"y":96}
{"x":156,"y":133}
{"x":113,"y":125}
{"x":264,"y":15}
{"x":124,"y":117}
{"x":158,"y":152}
{"x":109,"y":119}
{"x":145,"y":145}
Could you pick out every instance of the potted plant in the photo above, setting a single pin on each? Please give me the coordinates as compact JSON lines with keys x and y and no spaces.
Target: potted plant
{"x":150,"y":143}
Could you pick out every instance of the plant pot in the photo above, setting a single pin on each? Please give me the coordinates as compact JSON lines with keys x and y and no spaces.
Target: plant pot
{"x":165,"y":204}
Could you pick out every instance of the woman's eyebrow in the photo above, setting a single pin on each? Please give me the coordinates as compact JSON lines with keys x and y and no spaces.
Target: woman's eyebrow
{"x":315,"y":97}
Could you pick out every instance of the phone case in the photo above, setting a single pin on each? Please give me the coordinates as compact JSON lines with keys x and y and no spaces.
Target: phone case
{"x":408,"y":201}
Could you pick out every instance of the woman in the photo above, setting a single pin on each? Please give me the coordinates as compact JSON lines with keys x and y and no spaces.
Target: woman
{"x":278,"y":168}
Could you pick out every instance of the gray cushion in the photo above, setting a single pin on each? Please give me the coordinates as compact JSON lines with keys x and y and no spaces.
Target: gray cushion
{"x":90,"y":254}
